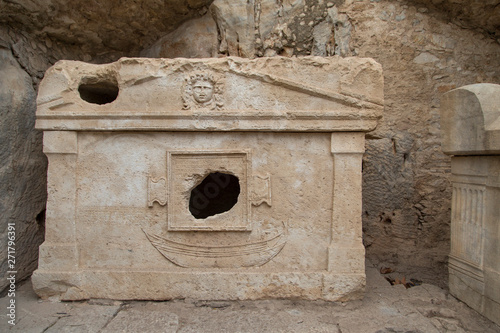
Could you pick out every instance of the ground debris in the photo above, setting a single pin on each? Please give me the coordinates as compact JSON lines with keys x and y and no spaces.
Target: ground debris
{"x":403,"y":281}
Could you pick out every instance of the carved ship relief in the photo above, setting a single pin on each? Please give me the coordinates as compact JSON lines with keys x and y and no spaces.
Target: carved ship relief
{"x":230,"y":256}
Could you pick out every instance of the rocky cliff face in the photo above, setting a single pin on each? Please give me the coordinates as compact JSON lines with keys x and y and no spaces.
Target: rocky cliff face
{"x":22,"y":169}
{"x":426,"y":48}
{"x":100,"y":26}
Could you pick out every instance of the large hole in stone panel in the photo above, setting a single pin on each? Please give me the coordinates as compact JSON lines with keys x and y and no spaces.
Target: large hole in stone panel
{"x":216,"y":194}
{"x":99,"y":92}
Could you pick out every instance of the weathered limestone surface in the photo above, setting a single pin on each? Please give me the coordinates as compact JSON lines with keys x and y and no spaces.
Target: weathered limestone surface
{"x":196,"y":38}
{"x":406,"y":199}
{"x":101,"y":26}
{"x":425,"y":47}
{"x":128,"y":27}
{"x":484,"y":14}
{"x":471,"y":132}
{"x":130,"y":143}
{"x":471,"y":120}
{"x":385,"y":308}
{"x":22,"y":177}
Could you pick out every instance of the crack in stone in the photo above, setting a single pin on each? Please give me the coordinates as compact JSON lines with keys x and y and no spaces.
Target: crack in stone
{"x":122,"y":305}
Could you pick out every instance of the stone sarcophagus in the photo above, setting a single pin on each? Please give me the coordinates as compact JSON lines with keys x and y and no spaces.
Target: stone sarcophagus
{"x":470,"y":123}
{"x":206,"y":178}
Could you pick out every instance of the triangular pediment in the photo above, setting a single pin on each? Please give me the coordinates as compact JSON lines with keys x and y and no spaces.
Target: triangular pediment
{"x":229,"y":88}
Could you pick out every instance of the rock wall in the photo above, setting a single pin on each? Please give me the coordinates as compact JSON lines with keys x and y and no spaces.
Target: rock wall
{"x":22,"y":169}
{"x":426,"y":48}
{"x":100,"y":27}
{"x":406,"y":187}
{"x":24,"y":59}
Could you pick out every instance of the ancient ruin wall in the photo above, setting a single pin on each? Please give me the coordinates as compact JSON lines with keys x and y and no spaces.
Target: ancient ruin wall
{"x":425,"y":50}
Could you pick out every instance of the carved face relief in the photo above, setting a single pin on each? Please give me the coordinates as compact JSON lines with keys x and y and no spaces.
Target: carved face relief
{"x":203,"y":91}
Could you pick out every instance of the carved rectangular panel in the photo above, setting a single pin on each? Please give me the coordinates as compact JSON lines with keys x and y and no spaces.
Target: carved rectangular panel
{"x":261,"y":190}
{"x":157,"y":191}
{"x":200,"y":185}
{"x":467,"y":223}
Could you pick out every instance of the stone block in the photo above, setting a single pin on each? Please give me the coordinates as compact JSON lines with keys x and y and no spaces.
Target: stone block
{"x":206,"y":178}
{"x":470,"y":119}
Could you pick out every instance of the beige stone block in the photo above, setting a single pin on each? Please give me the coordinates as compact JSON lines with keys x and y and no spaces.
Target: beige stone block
{"x":470,"y":118}
{"x":58,"y":256}
{"x":348,"y":142}
{"x":346,"y":260}
{"x":61,"y":200}
{"x":343,"y":287}
{"x":59,"y":142}
{"x":267,"y":94}
{"x":475,"y":225}
{"x":58,"y":284}
{"x":206,"y":178}
{"x":346,"y":213}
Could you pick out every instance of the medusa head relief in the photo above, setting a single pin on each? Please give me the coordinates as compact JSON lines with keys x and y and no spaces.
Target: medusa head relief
{"x":202,"y":90}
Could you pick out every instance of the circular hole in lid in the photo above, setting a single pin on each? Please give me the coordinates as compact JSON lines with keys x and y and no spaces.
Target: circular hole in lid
{"x":98,"y":91}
